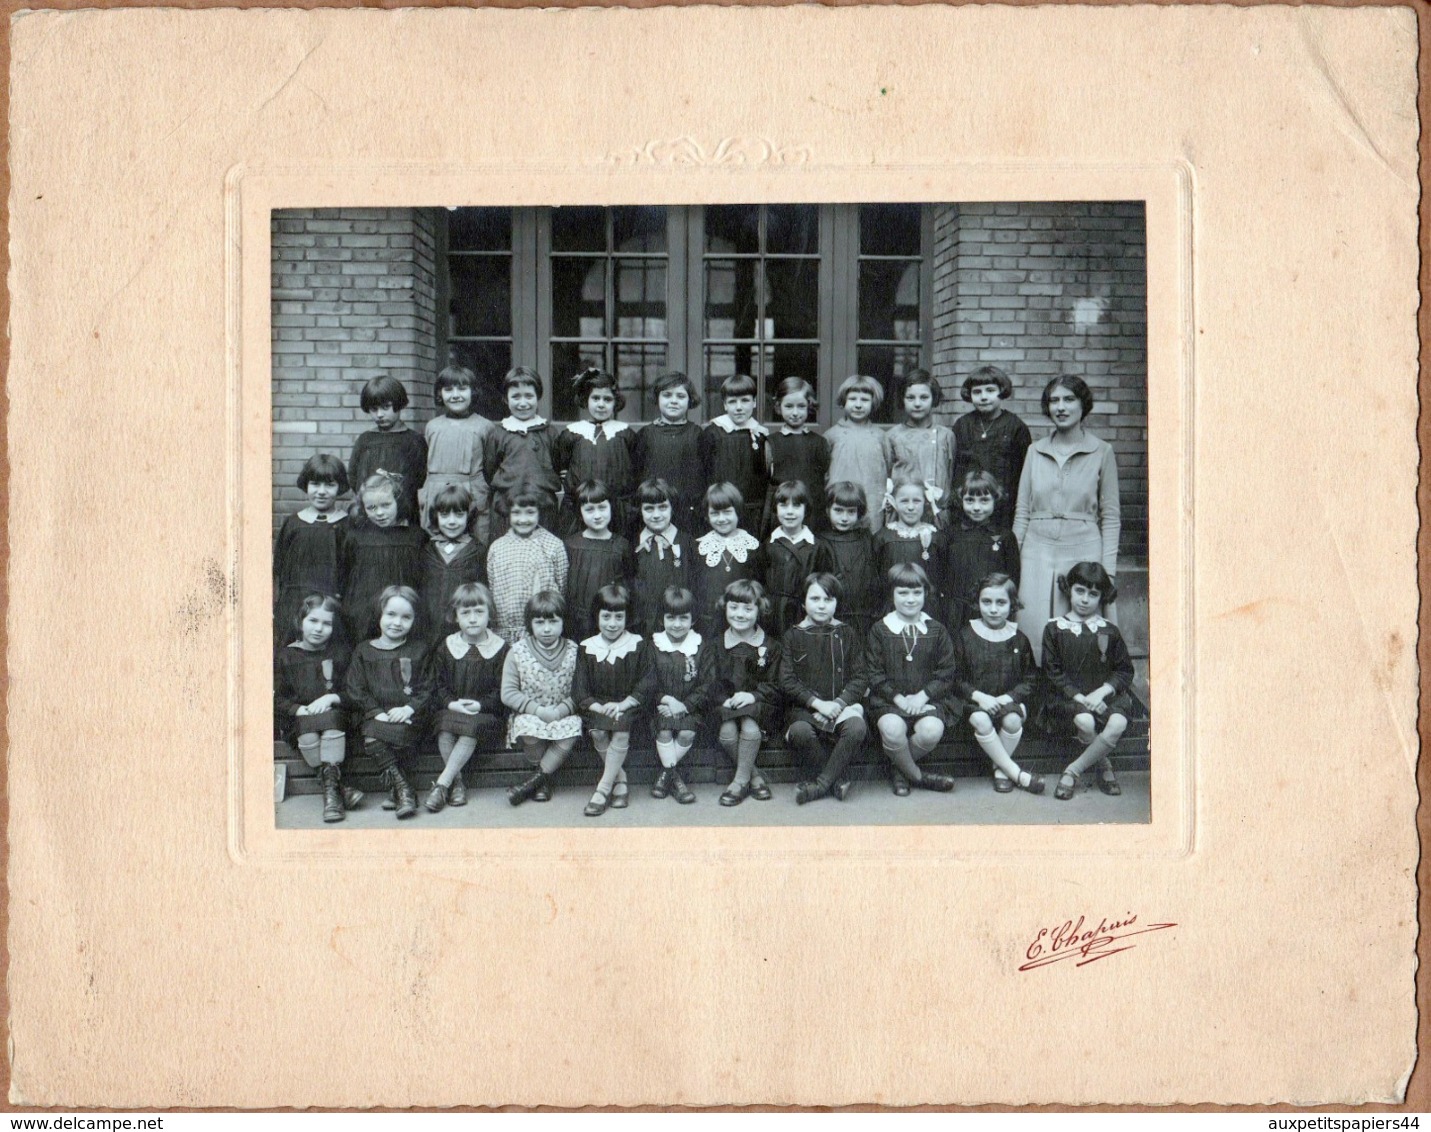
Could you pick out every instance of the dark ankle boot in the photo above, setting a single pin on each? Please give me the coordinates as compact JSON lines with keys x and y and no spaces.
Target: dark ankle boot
{"x":527,"y":788}
{"x":403,"y":794}
{"x":352,"y":796}
{"x":332,"y":795}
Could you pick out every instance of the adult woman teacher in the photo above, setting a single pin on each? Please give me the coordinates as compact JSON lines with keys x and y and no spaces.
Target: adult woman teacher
{"x":1067,"y":509}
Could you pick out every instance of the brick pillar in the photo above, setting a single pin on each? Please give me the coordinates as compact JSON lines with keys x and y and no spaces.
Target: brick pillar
{"x":354,"y":295}
{"x":1042,"y":289}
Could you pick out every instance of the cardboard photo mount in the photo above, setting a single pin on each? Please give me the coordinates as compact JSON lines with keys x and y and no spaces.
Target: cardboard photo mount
{"x":200,"y":957}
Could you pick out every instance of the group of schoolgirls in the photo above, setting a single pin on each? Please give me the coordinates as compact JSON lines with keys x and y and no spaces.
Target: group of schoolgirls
{"x":827,"y":619}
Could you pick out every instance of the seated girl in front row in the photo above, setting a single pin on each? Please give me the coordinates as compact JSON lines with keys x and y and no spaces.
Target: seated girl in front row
{"x":536,"y":685}
{"x":465,"y":674}
{"x":1088,"y":666}
{"x":684,"y":672}
{"x":909,"y":661}
{"x":307,"y":683}
{"x":387,"y":684}
{"x":612,"y":685}
{"x":996,"y":674}
{"x":746,"y":661}
{"x":822,"y":672}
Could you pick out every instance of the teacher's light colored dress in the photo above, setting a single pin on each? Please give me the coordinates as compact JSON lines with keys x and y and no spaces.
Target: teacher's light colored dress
{"x":1067,"y":512}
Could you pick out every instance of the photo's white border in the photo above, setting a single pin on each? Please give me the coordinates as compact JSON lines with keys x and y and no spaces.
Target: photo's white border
{"x":682,"y":176}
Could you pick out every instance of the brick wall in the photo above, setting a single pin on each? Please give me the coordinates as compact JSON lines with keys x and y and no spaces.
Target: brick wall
{"x":354,"y":295}
{"x":1042,"y":289}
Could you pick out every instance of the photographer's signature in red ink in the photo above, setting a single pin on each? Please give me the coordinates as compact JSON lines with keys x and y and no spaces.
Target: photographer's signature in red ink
{"x":1072,"y":940}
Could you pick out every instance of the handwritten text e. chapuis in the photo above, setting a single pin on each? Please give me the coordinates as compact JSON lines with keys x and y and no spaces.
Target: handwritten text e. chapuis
{"x":1073,"y":939}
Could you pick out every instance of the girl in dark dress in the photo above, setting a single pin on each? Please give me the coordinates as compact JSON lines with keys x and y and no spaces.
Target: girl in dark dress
{"x":789,"y":555}
{"x":907,"y":537}
{"x":613,"y":685}
{"x":971,"y":548}
{"x":382,"y":548}
{"x":597,"y":448}
{"x":307,"y":678}
{"x":822,"y":677}
{"x":684,"y":674}
{"x":517,"y":452}
{"x":996,"y":674}
{"x":797,"y":451}
{"x":1086,"y":662}
{"x":453,"y":557}
{"x":746,"y":663}
{"x":387,"y":686}
{"x":663,"y":554}
{"x":389,"y":446}
{"x":465,"y":675}
{"x":732,"y":449}
{"x":991,"y":438}
{"x":669,"y":448}
{"x":909,"y":661}
{"x":305,"y":557}
{"x":724,"y":554}
{"x":595,"y":558}
{"x":847,"y":551}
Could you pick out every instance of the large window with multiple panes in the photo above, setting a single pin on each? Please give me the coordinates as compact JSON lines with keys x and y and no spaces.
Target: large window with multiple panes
{"x":818,"y":291}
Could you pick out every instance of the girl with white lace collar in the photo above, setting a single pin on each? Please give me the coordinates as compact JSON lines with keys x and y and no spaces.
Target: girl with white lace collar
{"x":613,"y":685}
{"x":1087,"y":663}
{"x":909,"y":661}
{"x":733,"y":449}
{"x":465,"y":671}
{"x":725,"y":554}
{"x":597,"y":447}
{"x":684,"y":673}
{"x":746,"y":663}
{"x":996,"y":674}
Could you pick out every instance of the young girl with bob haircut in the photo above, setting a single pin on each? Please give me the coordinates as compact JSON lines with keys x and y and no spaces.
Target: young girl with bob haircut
{"x":596,"y":557}
{"x":612,"y":686}
{"x":859,"y":451}
{"x":455,"y":443}
{"x":305,"y":556}
{"x":684,"y":672}
{"x":971,"y":548}
{"x":724,"y":554}
{"x":847,"y":550}
{"x":1086,"y":662}
{"x":921,"y":450}
{"x":789,"y":553}
{"x":797,"y":451}
{"x":465,"y":675}
{"x":746,"y":662}
{"x":669,"y":448}
{"x":908,"y":536}
{"x":663,"y":553}
{"x":909,"y":661}
{"x":381,"y":548}
{"x":307,"y":682}
{"x":523,"y":562}
{"x":991,"y":438}
{"x":387,"y":685}
{"x":822,"y":671}
{"x":389,"y":446}
{"x":732,"y":449}
{"x":517,"y":453}
{"x":597,"y":447}
{"x":536,"y":686}
{"x":996,"y":675}
{"x":453,"y":556}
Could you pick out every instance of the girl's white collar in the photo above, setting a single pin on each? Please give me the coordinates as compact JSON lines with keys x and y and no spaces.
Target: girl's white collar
{"x":982,"y":630}
{"x":511,"y":424}
{"x":313,"y":515}
{"x":1093,"y":624}
{"x":897,"y":624}
{"x":489,"y":646}
{"x":713,"y":544}
{"x":689,"y":646}
{"x":757,"y":641}
{"x":725,"y":424}
{"x":609,"y":652}
{"x":587,"y":430}
{"x":803,"y":535}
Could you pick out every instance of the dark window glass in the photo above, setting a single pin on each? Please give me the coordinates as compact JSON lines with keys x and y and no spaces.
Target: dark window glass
{"x":638,"y":365}
{"x":792,"y":229}
{"x":889,"y":229}
{"x":891,"y":367}
{"x":579,"y":298}
{"x":733,"y":228}
{"x":640,"y":298}
{"x":638,"y":229}
{"x":792,"y":299}
{"x":581,"y":229}
{"x":889,"y":300}
{"x":732,"y":298}
{"x":479,"y":229}
{"x":481,"y":295}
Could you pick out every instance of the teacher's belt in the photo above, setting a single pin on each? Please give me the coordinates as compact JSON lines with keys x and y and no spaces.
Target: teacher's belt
{"x":1080,"y":516}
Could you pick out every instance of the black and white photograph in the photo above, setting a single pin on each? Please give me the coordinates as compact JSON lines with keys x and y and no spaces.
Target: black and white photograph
{"x":771,"y":514}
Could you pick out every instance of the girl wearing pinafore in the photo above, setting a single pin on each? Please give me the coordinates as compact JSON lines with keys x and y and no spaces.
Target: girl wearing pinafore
{"x":453,"y":556}
{"x":306,"y":554}
{"x":596,"y":557}
{"x":907,"y":539}
{"x":1068,"y":507}
{"x":669,"y":449}
{"x":597,"y":448}
{"x":859,"y":450}
{"x":455,"y":443}
{"x":746,"y":662}
{"x":797,"y":451}
{"x":662,"y":558}
{"x":789,"y":553}
{"x":381,"y":548}
{"x":307,"y":692}
{"x":537,"y":689}
{"x":921,"y":450}
{"x":732,"y":449}
{"x":724,"y":554}
{"x":523,"y":562}
{"x":683,"y":669}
